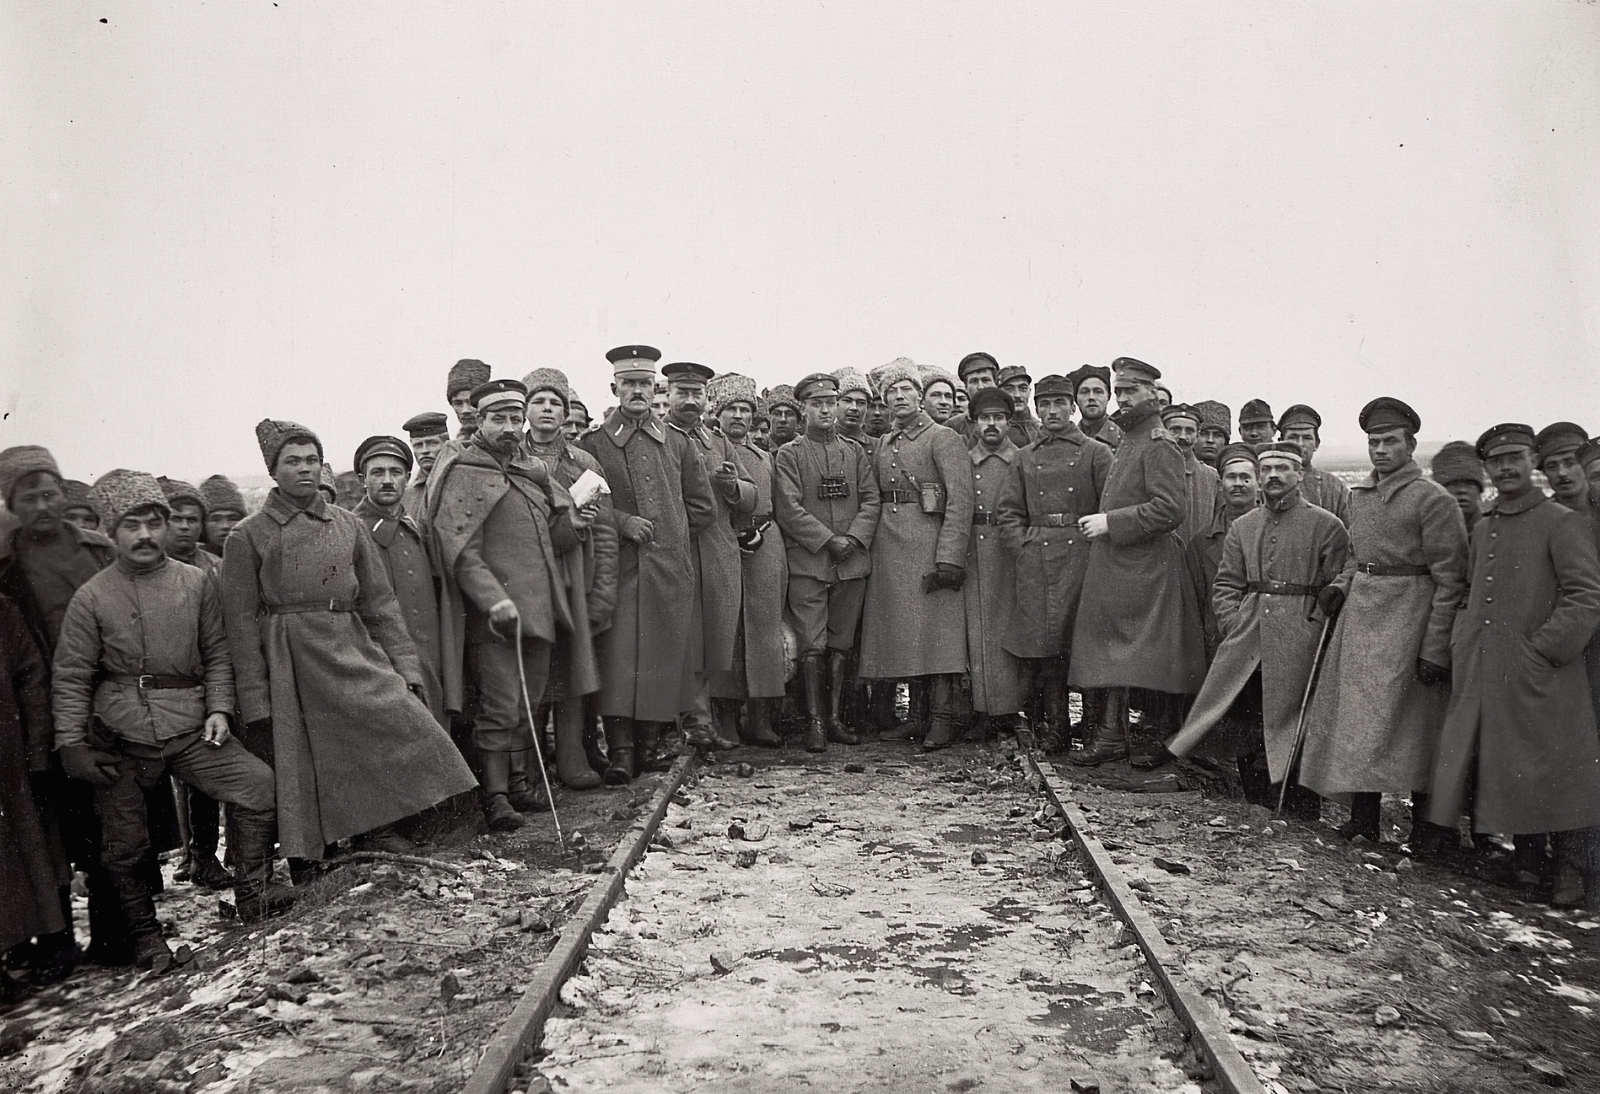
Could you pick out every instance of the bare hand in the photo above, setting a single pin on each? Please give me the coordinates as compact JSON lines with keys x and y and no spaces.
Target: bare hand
{"x":503,"y":613}
{"x":216,"y":733}
{"x":727,"y":480}
{"x":1094,"y":525}
{"x":583,"y":517}
{"x":642,"y":531}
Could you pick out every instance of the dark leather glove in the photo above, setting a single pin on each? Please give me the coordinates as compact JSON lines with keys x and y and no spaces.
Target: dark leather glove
{"x":89,"y":764}
{"x":1331,"y":601}
{"x":1430,"y":674}
{"x":952,"y":576}
{"x":840,"y":547}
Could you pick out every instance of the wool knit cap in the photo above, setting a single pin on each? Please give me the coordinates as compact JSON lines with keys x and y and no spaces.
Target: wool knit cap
{"x":383,"y":446}
{"x":782,"y":395}
{"x":487,"y":396}
{"x":1012,"y":372}
{"x":549,"y":379}
{"x":932,"y":374}
{"x":901,"y":368}
{"x":688,"y":370}
{"x":633,"y":361}
{"x":1055,"y":385}
{"x":575,"y":403}
{"x":1135,"y":369}
{"x":1458,"y":462}
{"x":272,"y":435}
{"x":1181,"y":410}
{"x":327,"y":481}
{"x":177,"y":490}
{"x":990,"y":398}
{"x":430,"y":423}
{"x":1560,"y":437}
{"x":976,"y":360}
{"x":118,"y":493}
{"x":1089,"y":372}
{"x":77,"y":494}
{"x":1215,"y":415}
{"x":1386,"y":412}
{"x":222,"y":496}
{"x":1283,"y":450}
{"x":1506,"y":437}
{"x":722,"y":391}
{"x":1299,"y":414}
{"x":852,"y":379}
{"x":21,"y":461}
{"x":1256,"y":410}
{"x":465,"y":375}
{"x":1237,"y":452}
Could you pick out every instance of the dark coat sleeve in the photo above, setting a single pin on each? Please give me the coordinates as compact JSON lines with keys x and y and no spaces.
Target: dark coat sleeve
{"x":1167,"y":504}
{"x":1444,"y":549}
{"x":1227,"y":591}
{"x":30,"y":683}
{"x":72,"y":674}
{"x":864,"y":526}
{"x":955,"y":469}
{"x":1577,"y":610}
{"x":241,"y":599}
{"x":1012,"y":512}
{"x":696,"y":486}
{"x":220,"y":697}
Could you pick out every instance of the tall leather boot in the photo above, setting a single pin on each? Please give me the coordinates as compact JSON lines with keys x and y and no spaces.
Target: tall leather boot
{"x":1363,"y":817}
{"x":725,"y":723}
{"x":572,"y":762}
{"x":651,"y":751}
{"x":838,"y":731}
{"x":593,"y":737}
{"x":1107,"y":738}
{"x":253,"y":835}
{"x":941,"y":712}
{"x":1093,"y":702}
{"x":619,"y":749}
{"x":757,"y":728}
{"x":1162,"y":719}
{"x":1055,"y":731}
{"x":811,"y":677}
{"x":494,"y":793}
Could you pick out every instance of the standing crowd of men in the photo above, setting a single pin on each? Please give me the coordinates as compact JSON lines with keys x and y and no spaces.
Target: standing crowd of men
{"x":708,"y":560}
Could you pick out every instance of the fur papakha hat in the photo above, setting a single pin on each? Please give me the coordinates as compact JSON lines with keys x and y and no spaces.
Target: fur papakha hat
{"x":901,"y":368}
{"x":730,"y":387}
{"x":221,"y":496}
{"x":118,"y":493}
{"x":465,"y":375}
{"x":549,"y":379}
{"x":272,"y":435}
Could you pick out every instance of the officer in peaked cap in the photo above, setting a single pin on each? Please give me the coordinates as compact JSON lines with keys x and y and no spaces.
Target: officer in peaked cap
{"x":1303,"y":425}
{"x":428,"y":433}
{"x":1256,"y":424}
{"x":1557,"y":454}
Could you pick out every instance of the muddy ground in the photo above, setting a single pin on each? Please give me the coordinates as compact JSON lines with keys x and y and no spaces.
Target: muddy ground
{"x":386,"y":976}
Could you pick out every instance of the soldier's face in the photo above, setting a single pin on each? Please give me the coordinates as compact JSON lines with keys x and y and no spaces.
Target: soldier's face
{"x":1055,"y":412}
{"x":1257,"y":432}
{"x":686,"y":401}
{"x":634,"y":394}
{"x":1566,"y":476}
{"x":1208,"y":442}
{"x":577,"y":423}
{"x":426,"y":450}
{"x":785,"y":424}
{"x":1163,"y":397}
{"x":1278,"y":477}
{"x":979,"y":378}
{"x":821,"y":412}
{"x":141,"y":534}
{"x":299,"y":471}
{"x":1132,"y":393}
{"x":903,"y":400}
{"x":219,"y":522}
{"x":962,"y":400}
{"x":461,"y":403}
{"x":878,"y":418}
{"x":1303,"y":434}
{"x":1511,"y":472}
{"x":80,"y":517}
{"x":1093,"y":399}
{"x":1468,"y":495}
{"x":183,"y":528}
{"x":659,"y":404}
{"x":940,"y":400}
{"x":1239,"y":485}
{"x":501,"y":426}
{"x":1389,"y":450}
{"x":1593,"y":469}
{"x":735,"y":419}
{"x":761,"y":433}
{"x":1184,"y":431}
{"x":38,"y":502}
{"x":1019,"y":389}
{"x":853,"y":409}
{"x":384,"y":478}
{"x":992,"y":426}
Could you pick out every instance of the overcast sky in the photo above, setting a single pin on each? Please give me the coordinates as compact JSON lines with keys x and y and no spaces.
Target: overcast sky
{"x":216,"y":213}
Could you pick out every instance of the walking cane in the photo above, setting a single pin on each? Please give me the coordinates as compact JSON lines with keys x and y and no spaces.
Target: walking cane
{"x":538,"y":749}
{"x":1305,"y":704}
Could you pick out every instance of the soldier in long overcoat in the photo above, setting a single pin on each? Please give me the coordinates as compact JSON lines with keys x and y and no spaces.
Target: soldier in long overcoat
{"x":1202,"y":486}
{"x":760,"y":666}
{"x":660,"y":492}
{"x":1302,"y":425}
{"x":919,"y":553}
{"x":1374,"y":721}
{"x":1521,"y":719}
{"x":1138,"y":622}
{"x":323,"y":662}
{"x":1057,"y":479}
{"x":1236,"y":463}
{"x":719,"y":573}
{"x":825,"y":501}
{"x":999,"y":677}
{"x":1275,"y":560}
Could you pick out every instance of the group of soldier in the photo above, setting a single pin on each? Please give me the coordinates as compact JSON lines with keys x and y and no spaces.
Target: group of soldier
{"x":711,"y":563}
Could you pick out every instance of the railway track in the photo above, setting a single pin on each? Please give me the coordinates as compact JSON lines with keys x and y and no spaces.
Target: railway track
{"x":869,"y":919}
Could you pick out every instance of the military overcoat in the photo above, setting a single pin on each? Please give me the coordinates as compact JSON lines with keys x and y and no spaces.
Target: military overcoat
{"x":763,"y":670}
{"x":408,"y":562}
{"x":718,"y":569}
{"x":999,"y":678}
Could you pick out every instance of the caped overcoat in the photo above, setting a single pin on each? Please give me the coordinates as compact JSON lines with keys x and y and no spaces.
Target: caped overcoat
{"x":999,"y":678}
{"x":905,"y":631}
{"x":1372,"y":725}
{"x":1290,"y":543}
{"x":353,"y":748}
{"x":654,"y":475}
{"x":1060,"y":475}
{"x":1138,"y":621}
{"x":764,"y":668}
{"x":1521,"y":717}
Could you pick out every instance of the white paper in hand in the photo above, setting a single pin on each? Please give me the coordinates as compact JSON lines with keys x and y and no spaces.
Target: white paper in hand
{"x":587,"y":488}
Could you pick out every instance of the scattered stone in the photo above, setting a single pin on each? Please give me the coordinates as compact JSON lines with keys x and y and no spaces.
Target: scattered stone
{"x":724,"y":962}
{"x":801,"y":825}
{"x":1086,"y":1085}
{"x":449,"y":987}
{"x":1172,"y":866}
{"x":1472,"y":1036}
{"x":1549,"y":1071}
{"x":1125,"y":937}
{"x":855,"y":769}
{"x":736,"y":830}
{"x":577,"y":839}
{"x":1139,"y":885}
{"x":288,"y":993}
{"x":745,"y":771}
{"x":680,"y":798}
{"x":303,"y":974}
{"x":531,"y":920}
{"x":979,"y":858}
{"x":1217,"y":822}
{"x":744,"y":859}
{"x":661,"y":839}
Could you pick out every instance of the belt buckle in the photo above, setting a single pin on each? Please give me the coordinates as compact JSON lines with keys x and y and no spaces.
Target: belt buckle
{"x":147,"y":682}
{"x":331,"y":604}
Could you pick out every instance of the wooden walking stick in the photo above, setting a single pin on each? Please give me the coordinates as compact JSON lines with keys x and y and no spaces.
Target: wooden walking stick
{"x":1305,"y":704}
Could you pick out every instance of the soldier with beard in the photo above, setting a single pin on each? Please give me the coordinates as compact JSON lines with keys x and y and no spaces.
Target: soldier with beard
{"x":428,"y":433}
{"x":465,"y":377}
{"x":1456,"y":467}
{"x":1303,"y":426}
{"x":1216,"y":430}
{"x":1091,"y":391}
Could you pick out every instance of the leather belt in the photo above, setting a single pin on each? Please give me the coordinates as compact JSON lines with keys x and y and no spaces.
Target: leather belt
{"x":986,"y":518}
{"x":900,"y":497}
{"x":1282,"y":588}
{"x":158,"y":682}
{"x":1399,"y":570}
{"x":1055,"y":520}
{"x":311,"y":606}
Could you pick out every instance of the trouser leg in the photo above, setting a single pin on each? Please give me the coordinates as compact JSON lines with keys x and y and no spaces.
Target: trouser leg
{"x":1054,"y":733}
{"x":941,"y":692}
{"x":1108,"y":735}
{"x":838,"y":729}
{"x":125,"y":843}
{"x":815,"y":685}
{"x":757,"y":728}
{"x":230,"y":774}
{"x":572,"y":763}
{"x":619,"y":749}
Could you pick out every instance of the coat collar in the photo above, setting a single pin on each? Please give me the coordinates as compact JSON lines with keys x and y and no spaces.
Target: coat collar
{"x":383,"y":526}
{"x":1136,"y":417}
{"x":620,"y":429}
{"x":84,"y":538}
{"x":1507,"y":507}
{"x":913,"y":431}
{"x":1007,"y":451}
{"x":1292,"y":500}
{"x":1073,"y":435}
{"x":1390,"y":486}
{"x":282,"y":510}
